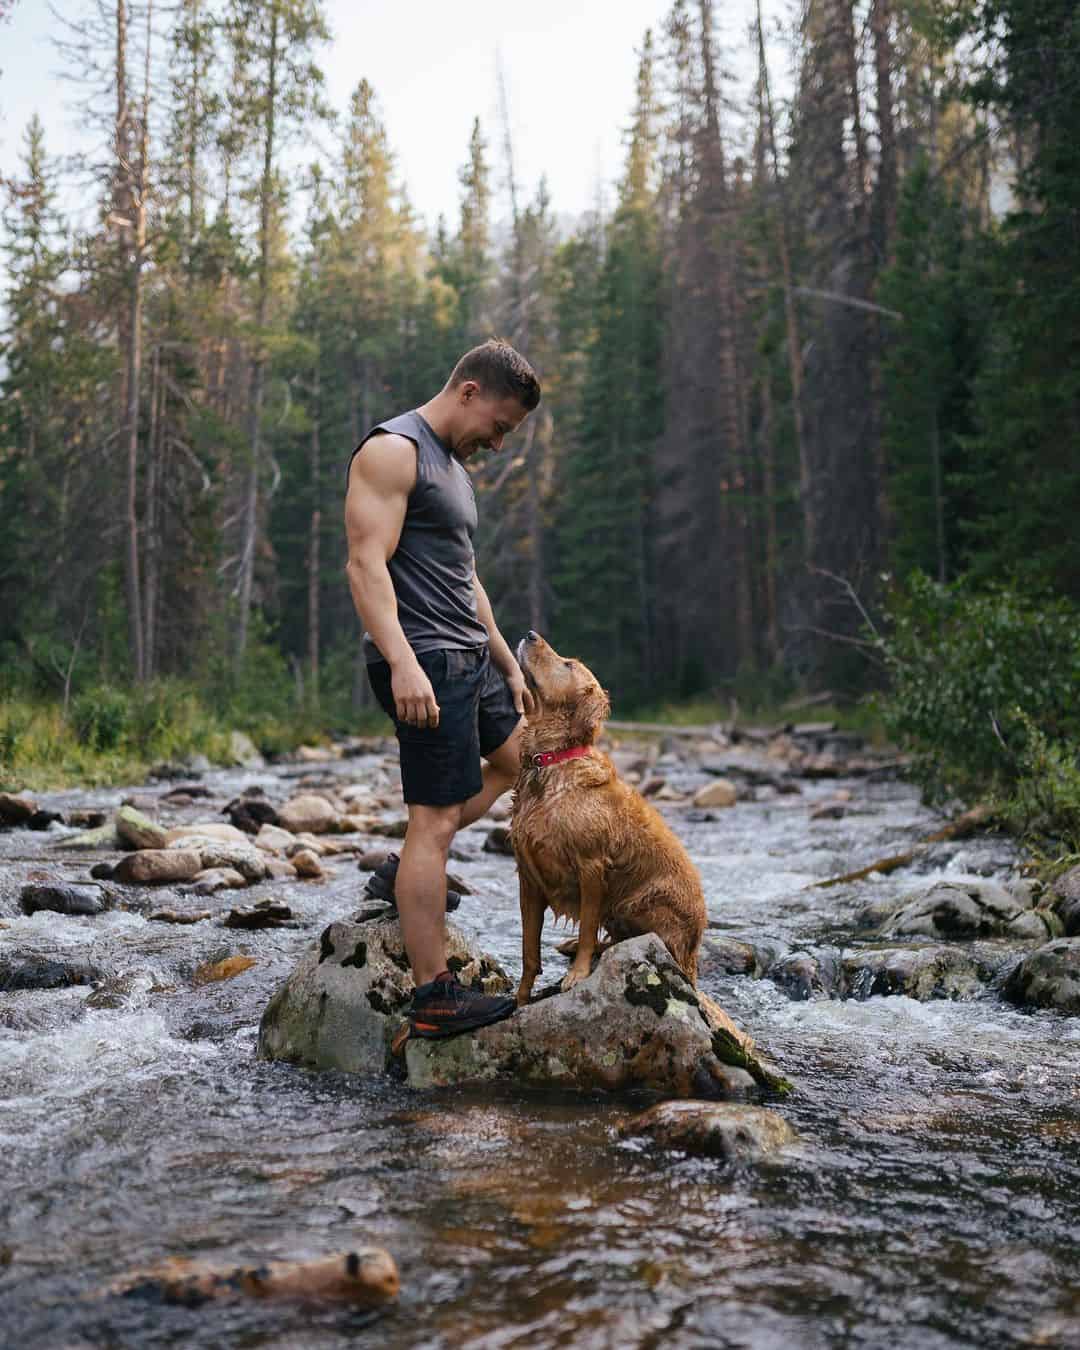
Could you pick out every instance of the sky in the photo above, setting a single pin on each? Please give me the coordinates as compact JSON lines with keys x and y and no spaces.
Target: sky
{"x":569,"y":68}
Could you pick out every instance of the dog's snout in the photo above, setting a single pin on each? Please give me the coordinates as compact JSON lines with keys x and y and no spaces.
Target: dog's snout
{"x":531,"y":636}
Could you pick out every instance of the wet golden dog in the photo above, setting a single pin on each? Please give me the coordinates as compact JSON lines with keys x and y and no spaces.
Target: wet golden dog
{"x":587,"y":845}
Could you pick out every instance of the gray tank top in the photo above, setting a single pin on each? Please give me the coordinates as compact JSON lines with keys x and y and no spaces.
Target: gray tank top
{"x":433,"y":566}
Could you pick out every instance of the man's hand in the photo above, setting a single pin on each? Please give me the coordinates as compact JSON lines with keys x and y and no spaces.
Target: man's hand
{"x":414,"y":698}
{"x":520,"y":691}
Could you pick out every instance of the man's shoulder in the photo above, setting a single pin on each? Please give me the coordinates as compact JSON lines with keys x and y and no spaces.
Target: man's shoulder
{"x":386,"y":459}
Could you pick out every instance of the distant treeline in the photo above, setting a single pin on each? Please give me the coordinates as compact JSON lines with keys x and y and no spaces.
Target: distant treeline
{"x":812,"y":346}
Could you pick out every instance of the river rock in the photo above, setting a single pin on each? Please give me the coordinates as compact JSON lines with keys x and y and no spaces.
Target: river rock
{"x":1049,"y":977}
{"x":207,"y":829}
{"x":733,"y":1131}
{"x":308,"y":814}
{"x":307,"y":865}
{"x":341,"y":1006}
{"x":720,"y":792}
{"x":134,"y":830}
{"x":153,"y":867}
{"x":16,"y":810}
{"x":43,"y":972}
{"x":499,"y":840}
{"x":44,"y":820}
{"x":244,"y":858}
{"x":273,"y":839}
{"x":63,"y":898}
{"x":635,"y":1022}
{"x":266,"y":914}
{"x":1066,"y":901}
{"x":805,"y":975}
{"x":213,"y":972}
{"x":243,"y":751}
{"x":179,"y":916}
{"x":212,"y":879}
{"x":921,"y":973}
{"x":251,"y":811}
{"x":279,"y":869}
{"x":965,"y":908}
{"x":104,"y":837}
{"x":119,"y":990}
{"x":727,"y":956}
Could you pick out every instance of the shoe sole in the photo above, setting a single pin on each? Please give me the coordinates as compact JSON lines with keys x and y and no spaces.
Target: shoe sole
{"x":431,"y":1031}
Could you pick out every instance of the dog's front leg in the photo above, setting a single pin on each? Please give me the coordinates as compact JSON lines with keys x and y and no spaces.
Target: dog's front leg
{"x":591,"y":893}
{"x":532,"y":923}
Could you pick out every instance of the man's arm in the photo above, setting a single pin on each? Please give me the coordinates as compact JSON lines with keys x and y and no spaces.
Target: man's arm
{"x":502,"y":657}
{"x":380,"y":479}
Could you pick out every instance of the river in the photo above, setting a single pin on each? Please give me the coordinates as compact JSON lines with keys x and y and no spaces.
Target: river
{"x":933,"y":1201}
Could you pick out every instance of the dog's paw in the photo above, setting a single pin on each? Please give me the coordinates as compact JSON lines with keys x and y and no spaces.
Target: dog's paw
{"x":573,"y":977}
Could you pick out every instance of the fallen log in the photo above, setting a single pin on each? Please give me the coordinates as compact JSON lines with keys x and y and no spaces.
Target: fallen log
{"x":959,"y":828}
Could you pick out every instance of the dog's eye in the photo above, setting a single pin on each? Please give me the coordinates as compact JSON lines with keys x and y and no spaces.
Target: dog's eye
{"x":568,"y":664}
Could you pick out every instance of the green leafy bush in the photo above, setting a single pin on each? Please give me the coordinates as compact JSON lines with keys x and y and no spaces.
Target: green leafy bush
{"x":100,"y":716}
{"x":985,"y":692}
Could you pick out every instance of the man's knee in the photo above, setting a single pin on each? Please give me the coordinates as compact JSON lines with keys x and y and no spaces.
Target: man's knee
{"x":434,"y":825}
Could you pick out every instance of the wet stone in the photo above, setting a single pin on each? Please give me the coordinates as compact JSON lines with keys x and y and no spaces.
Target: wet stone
{"x":41,"y":972}
{"x":921,"y":973}
{"x":804,"y":975}
{"x":15,"y":809}
{"x":1049,"y":977}
{"x":136,"y":830}
{"x":733,"y":1132}
{"x":727,"y":956}
{"x":42,"y":820}
{"x":499,"y":841}
{"x":266,"y":914}
{"x":63,"y":898}
{"x":967,"y":908}
{"x":153,"y":867}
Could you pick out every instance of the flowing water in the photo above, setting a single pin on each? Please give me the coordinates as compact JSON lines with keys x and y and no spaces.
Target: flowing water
{"x":933,"y":1201}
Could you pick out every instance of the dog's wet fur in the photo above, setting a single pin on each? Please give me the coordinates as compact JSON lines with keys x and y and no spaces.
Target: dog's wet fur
{"x":588,"y":846}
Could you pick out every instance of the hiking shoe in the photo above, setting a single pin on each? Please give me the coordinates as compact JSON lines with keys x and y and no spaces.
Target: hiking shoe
{"x":444,"y":1007}
{"x":381,"y":884}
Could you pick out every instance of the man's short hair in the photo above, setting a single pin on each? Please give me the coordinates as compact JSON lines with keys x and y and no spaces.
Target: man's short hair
{"x":499,"y":370}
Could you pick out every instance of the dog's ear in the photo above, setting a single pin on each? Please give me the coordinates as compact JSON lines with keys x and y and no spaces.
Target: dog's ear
{"x":589,"y":715}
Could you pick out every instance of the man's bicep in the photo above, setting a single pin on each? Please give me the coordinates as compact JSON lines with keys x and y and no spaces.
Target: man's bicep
{"x":381,"y":477}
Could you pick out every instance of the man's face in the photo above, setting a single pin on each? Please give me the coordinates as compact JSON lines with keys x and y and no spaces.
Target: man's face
{"x":486,"y":420}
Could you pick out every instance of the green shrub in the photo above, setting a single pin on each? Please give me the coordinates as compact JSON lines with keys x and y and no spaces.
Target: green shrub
{"x":985,"y":693}
{"x":101,"y":716}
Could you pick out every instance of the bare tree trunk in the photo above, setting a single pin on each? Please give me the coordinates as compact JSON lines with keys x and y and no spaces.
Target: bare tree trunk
{"x":772,"y":552}
{"x":313,"y":546}
{"x":258,"y":372}
{"x":151,"y":516}
{"x":885,"y":193}
{"x":791,"y":318}
{"x":939,"y":496}
{"x":533,"y":456}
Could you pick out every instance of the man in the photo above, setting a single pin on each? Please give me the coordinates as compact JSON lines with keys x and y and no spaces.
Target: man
{"x":436,"y":660}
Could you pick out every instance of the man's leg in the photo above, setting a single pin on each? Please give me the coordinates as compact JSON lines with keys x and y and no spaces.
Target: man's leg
{"x":500,"y":773}
{"x":420,"y":887}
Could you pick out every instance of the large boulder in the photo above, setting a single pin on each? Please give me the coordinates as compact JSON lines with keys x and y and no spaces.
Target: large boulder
{"x":1049,"y":977}
{"x":636,"y":1022}
{"x":733,"y":1131}
{"x":720,"y":792}
{"x":966,"y":908}
{"x":342,"y":1005}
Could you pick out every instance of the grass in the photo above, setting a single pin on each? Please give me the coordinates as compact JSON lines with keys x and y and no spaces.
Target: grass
{"x":858,"y":717}
{"x":115,"y":736}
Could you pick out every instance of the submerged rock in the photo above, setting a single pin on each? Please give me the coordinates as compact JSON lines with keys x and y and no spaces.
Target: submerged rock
{"x":43,"y":972}
{"x":215,"y":971}
{"x":1049,"y":977}
{"x":969,"y":907}
{"x":63,"y":897}
{"x":364,"y":1278}
{"x":266,"y":914}
{"x":732,"y":1131}
{"x":805,"y":975}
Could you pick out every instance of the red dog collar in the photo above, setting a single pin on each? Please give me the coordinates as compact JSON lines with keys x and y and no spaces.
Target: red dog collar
{"x":547,"y":757}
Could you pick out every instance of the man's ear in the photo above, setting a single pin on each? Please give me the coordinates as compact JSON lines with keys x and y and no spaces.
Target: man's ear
{"x":469,"y":389}
{"x":592,"y":708}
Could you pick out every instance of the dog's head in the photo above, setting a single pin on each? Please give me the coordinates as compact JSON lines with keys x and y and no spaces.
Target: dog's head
{"x":567,"y":693}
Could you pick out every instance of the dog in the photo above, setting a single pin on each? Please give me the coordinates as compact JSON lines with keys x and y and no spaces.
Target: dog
{"x":587,"y":845}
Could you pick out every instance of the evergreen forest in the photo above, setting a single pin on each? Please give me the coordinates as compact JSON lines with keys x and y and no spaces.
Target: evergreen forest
{"x":811,"y":379}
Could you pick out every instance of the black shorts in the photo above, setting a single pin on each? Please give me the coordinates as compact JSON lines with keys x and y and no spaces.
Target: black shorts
{"x":440,"y":766}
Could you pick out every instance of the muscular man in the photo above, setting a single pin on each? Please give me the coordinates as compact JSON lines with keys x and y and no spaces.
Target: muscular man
{"x":436,"y":660}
